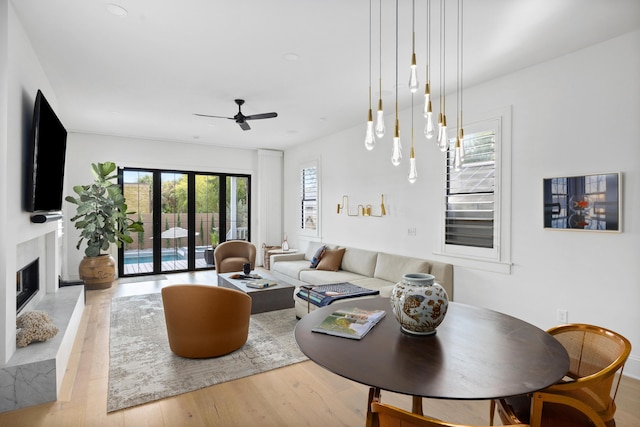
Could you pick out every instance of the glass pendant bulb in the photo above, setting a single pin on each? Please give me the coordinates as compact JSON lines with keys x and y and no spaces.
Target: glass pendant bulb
{"x":380,"y":120}
{"x":413,"y":76}
{"x":413,"y":171}
{"x":442,"y":136}
{"x":461,"y":144}
{"x":443,"y":141}
{"x":428,"y":128}
{"x":427,"y":101}
{"x":396,"y":156}
{"x":457,"y":160}
{"x":369,"y":138}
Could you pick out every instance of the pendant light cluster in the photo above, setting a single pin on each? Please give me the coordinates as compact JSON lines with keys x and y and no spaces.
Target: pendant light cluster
{"x":430,"y":131}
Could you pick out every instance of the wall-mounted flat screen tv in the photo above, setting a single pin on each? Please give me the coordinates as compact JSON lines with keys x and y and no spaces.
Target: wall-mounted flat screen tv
{"x":46,"y":152}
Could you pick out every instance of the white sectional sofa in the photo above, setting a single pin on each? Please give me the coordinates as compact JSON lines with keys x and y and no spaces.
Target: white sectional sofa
{"x":368,"y":269}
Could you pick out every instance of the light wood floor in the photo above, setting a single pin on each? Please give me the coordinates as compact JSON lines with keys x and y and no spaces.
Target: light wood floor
{"x":298,"y":395}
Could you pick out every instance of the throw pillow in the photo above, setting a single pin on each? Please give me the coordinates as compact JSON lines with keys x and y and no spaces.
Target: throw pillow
{"x":331,"y":260}
{"x":34,"y":326}
{"x":317,"y":256}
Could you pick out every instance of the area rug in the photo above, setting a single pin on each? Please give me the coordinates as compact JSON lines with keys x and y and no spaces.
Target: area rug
{"x":142,"y":368}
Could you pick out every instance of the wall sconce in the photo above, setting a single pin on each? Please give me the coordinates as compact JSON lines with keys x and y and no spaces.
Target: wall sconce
{"x":364,"y":210}
{"x":345,"y":204}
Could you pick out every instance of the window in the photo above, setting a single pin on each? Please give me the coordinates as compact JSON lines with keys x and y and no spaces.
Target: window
{"x":469,"y":216}
{"x":477,"y":213}
{"x":309,"y":199}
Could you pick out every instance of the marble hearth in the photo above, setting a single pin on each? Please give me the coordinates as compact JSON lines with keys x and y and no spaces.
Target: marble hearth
{"x":34,"y":373}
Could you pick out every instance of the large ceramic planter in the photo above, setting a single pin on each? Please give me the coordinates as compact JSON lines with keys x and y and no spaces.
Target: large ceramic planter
{"x":419,"y":303}
{"x":98,"y":272}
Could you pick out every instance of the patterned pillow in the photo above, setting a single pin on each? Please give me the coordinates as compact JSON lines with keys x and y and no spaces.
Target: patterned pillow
{"x":318,"y":255}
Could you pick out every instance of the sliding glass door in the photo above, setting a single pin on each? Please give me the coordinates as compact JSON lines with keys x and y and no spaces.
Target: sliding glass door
{"x":185,"y":216}
{"x":237,"y":208}
{"x":137,"y":257}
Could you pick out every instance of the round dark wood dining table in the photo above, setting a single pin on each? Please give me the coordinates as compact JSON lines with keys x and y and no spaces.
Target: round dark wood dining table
{"x":476,"y":354}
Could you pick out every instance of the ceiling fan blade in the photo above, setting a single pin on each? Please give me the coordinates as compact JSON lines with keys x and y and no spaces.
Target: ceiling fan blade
{"x":261,"y":116}
{"x":244,"y":125}
{"x":215,"y":117}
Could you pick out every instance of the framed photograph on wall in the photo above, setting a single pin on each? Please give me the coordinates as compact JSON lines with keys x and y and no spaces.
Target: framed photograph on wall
{"x":585,"y":202}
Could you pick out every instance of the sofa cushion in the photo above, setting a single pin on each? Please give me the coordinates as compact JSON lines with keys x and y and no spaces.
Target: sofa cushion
{"x":384,"y":286}
{"x":291,"y":268}
{"x":331,"y":260}
{"x":359,"y":261}
{"x":320,"y":277}
{"x":393,"y":267}
{"x":312,"y":249}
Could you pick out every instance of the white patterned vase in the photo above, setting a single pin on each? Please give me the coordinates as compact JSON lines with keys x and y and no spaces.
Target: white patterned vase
{"x":419,"y":303}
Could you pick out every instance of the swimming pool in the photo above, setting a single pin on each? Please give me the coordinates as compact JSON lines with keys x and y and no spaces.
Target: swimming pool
{"x":147,"y":257}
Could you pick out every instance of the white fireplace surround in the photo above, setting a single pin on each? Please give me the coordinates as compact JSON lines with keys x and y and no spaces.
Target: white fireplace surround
{"x":33,"y":374}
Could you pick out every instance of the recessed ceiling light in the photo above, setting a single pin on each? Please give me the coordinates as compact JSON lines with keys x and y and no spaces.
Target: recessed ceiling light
{"x":290,"y":56}
{"x":116,"y":9}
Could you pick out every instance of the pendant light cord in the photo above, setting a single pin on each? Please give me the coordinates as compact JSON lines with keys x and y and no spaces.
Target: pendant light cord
{"x":443,"y":57}
{"x":380,"y":47}
{"x":370,"y":54}
{"x":460,"y":41}
{"x":396,"y":61}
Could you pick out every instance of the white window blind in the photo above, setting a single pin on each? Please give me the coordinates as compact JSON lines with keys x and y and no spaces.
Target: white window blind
{"x":470,"y":194}
{"x":309,"y":198}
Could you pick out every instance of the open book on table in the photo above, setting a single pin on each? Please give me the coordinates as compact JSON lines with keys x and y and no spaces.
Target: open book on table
{"x":350,"y":322}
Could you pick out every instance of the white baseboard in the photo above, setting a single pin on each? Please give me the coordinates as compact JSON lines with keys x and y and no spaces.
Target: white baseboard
{"x":632,"y":367}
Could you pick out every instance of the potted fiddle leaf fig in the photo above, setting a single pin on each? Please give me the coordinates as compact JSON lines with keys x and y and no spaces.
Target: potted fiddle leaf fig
{"x":102,"y":218}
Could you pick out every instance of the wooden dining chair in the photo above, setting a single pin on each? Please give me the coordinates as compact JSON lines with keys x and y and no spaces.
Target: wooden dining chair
{"x":586,"y":396}
{"x":390,"y":416}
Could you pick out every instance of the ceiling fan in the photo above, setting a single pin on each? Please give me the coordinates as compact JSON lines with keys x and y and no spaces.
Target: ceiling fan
{"x":240,"y":118}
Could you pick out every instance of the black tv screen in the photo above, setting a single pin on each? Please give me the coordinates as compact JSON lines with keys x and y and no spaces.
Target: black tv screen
{"x":45,"y":159}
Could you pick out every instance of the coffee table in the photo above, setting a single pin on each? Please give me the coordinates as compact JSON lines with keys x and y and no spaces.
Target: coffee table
{"x":272,"y":298}
{"x":476,"y":354}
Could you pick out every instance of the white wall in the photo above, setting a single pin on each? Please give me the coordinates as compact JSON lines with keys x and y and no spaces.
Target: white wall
{"x":21,"y":76}
{"x":84,"y":149}
{"x":4,"y":174}
{"x":574,"y":115}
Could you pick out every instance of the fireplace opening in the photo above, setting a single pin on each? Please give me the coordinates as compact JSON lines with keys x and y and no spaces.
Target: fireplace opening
{"x":27,"y":283}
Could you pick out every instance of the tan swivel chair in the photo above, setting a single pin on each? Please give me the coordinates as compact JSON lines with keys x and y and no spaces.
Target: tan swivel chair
{"x":205,"y":320}
{"x":587,"y":395}
{"x":390,"y":416}
{"x":231,"y":255}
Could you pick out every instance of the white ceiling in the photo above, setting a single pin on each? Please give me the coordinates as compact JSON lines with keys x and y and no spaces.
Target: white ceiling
{"x":145,"y":74}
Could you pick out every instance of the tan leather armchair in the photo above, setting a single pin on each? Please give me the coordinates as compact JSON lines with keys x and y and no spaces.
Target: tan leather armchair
{"x":231,"y":255}
{"x":205,"y":320}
